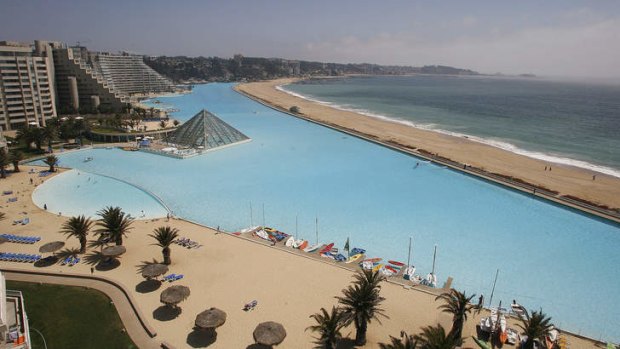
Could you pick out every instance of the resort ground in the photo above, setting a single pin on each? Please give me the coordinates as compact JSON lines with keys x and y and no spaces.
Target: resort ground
{"x":226,"y":272}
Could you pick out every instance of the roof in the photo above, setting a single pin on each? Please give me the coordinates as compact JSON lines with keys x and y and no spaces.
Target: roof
{"x":205,"y":131}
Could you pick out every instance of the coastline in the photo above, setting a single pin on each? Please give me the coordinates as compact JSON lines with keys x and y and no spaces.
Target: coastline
{"x":566,"y":183}
{"x":284,"y":281}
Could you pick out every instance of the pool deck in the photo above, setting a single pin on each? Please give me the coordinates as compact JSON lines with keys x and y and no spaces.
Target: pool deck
{"x":227,"y":272}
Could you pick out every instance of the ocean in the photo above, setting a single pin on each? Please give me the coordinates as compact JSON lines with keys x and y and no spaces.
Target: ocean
{"x":572,"y":123}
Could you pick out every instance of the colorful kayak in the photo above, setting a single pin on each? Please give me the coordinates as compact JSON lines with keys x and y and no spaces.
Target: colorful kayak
{"x":303,"y":245}
{"x":312,"y":248}
{"x":398,"y":264}
{"x":392,"y":269}
{"x":327,"y":248}
{"x":377,"y":267}
{"x":354,"y":258}
{"x":289,"y":242}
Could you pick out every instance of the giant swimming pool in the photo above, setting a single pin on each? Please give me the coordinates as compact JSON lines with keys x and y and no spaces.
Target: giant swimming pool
{"x":548,"y":256}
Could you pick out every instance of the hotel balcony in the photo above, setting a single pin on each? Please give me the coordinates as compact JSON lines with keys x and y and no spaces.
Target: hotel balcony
{"x":15,"y":332}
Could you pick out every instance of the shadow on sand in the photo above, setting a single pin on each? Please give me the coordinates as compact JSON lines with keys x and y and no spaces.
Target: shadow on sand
{"x":258,"y":346}
{"x":147,"y":286}
{"x":166,"y":313}
{"x":199,"y":338}
{"x":46,"y":262}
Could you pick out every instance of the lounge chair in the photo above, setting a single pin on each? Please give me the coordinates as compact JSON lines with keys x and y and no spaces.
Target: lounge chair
{"x":169,"y":277}
{"x":178,"y":277}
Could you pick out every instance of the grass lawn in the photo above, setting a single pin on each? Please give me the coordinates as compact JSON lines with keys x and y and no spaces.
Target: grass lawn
{"x":71,"y":317}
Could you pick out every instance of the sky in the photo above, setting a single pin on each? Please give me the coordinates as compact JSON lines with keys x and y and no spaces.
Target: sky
{"x":568,"y":38}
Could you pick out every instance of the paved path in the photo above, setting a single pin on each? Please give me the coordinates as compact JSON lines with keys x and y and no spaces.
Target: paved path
{"x":130,"y":319}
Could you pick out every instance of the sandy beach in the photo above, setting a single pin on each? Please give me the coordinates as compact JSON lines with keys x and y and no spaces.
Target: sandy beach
{"x":227,"y":272}
{"x":567,"y":180}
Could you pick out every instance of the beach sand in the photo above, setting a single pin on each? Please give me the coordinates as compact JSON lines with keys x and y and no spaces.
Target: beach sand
{"x":567,"y":180}
{"x":226,"y":273}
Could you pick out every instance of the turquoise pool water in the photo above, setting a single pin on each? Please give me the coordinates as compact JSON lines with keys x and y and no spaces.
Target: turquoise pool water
{"x":86,"y":193}
{"x":548,"y":256}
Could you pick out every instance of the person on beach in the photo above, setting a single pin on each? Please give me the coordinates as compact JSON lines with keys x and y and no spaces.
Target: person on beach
{"x":480,"y":301}
{"x":31,"y":181}
{"x":593,"y":177}
{"x":45,"y":207}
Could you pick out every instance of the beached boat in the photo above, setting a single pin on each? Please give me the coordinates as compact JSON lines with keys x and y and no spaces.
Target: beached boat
{"x":391,"y":269}
{"x":249,"y":230}
{"x":312,"y":248}
{"x":303,"y":245}
{"x":327,"y":248}
{"x":263,"y":235}
{"x":396,"y":264}
{"x":373,"y":260}
{"x":512,"y":336}
{"x":354,"y":258}
{"x":289,"y":242}
{"x":367,"y":265}
{"x":377,"y":267}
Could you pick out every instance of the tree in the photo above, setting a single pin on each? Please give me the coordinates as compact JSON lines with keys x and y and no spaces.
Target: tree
{"x":435,"y":337}
{"x":50,"y":134}
{"x":163,"y":124}
{"x":165,"y":236}
{"x":459,"y":305}
{"x":4,"y":162}
{"x":32,"y":135}
{"x":79,"y":228}
{"x":535,"y":327}
{"x":114,"y":224}
{"x":404,"y":342}
{"x":15,"y":157}
{"x":361,"y":302}
{"x":328,"y":326}
{"x":51,"y":161}
{"x":294,"y":109}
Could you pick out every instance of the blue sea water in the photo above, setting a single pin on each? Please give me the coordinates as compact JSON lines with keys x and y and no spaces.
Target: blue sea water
{"x":548,"y":256}
{"x":574,"y":123}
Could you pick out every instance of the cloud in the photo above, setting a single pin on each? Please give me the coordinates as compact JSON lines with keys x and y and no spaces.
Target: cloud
{"x":584,"y":47}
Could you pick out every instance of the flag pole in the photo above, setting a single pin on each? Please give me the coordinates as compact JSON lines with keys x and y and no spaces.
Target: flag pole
{"x":317,"y":229}
{"x":493,"y":290}
{"x":409,"y":255}
{"x":434,"y":256}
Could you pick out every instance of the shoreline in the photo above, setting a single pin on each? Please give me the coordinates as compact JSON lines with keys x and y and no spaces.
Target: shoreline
{"x":500,"y":144}
{"x":212,"y":273}
{"x":568,"y":185}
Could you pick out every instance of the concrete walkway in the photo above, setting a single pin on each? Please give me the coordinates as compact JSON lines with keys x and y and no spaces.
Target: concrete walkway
{"x":125,"y":310}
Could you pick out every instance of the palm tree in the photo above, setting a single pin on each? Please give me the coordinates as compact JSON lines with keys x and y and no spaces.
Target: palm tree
{"x":435,"y":337}
{"x":4,"y":162}
{"x":31,"y":135}
{"x":51,"y":161}
{"x":404,"y":342}
{"x":164,"y":237}
{"x":78,"y":227}
{"x":114,"y":224}
{"x":328,"y":326}
{"x":361,"y":302}
{"x":535,"y":327}
{"x":15,"y":157}
{"x":459,"y":305}
{"x":50,"y":134}
{"x":163,"y":124}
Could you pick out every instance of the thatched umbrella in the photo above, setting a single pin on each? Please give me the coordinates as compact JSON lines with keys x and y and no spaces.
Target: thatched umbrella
{"x":154,"y":270}
{"x":210,"y":318}
{"x":51,"y":247}
{"x":113,"y":251}
{"x":269,"y":333}
{"x":174,"y":295}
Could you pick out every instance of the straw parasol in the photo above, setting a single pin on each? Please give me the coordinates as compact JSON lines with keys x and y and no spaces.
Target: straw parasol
{"x":269,"y":333}
{"x":113,"y":251}
{"x":51,"y":246}
{"x":154,"y":270}
{"x":174,"y":295}
{"x":210,"y":318}
{"x":3,"y":239}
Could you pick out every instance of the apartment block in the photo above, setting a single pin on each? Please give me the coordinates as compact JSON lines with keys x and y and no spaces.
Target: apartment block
{"x":27,"y":92}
